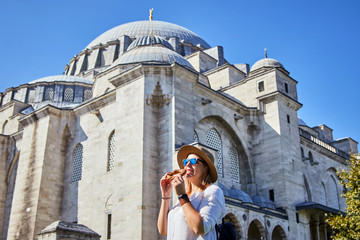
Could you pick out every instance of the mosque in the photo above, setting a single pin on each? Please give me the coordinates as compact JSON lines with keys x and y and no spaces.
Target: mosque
{"x":83,"y":152}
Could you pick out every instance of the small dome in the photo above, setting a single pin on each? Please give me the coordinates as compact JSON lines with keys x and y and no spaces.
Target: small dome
{"x":263,"y":202}
{"x":149,"y":40}
{"x":301,"y":122}
{"x":266,"y":62}
{"x":62,"y":78}
{"x":152,"y":54}
{"x":143,"y":28}
{"x":241,"y":195}
{"x":224,"y":189}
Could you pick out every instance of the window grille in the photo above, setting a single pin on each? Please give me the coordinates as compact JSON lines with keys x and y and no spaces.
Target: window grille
{"x":333,"y":194}
{"x":213,"y":140}
{"x":49,"y":93}
{"x":196,"y":138}
{"x":77,"y":163}
{"x":234,"y":164}
{"x":111,"y":153}
{"x":87,"y":94}
{"x":30,"y":98}
{"x":108,"y":226}
{"x":68,"y":94}
{"x":322,"y":194}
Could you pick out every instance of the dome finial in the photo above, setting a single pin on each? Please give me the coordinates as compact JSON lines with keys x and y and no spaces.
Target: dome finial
{"x":151,"y":14}
{"x":265,"y":50}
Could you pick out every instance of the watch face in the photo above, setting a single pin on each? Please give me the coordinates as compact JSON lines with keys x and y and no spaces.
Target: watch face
{"x":183,"y":196}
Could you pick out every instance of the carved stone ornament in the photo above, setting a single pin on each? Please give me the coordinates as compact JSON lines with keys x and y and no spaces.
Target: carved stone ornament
{"x":158,"y":99}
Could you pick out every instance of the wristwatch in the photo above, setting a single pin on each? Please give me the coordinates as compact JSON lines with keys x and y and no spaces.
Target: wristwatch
{"x":183,"y":199}
{"x":184,"y":196}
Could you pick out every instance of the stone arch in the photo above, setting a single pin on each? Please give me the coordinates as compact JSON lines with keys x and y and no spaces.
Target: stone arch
{"x":328,"y":176}
{"x":228,"y":120}
{"x":256,"y":230}
{"x":3,"y":127}
{"x":307,"y":189}
{"x":230,"y":217}
{"x":278,"y":233}
{"x":196,"y":137}
{"x":246,"y":173}
{"x":11,"y":167}
{"x":109,"y":203}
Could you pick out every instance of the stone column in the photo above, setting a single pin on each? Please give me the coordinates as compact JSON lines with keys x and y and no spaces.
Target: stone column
{"x":317,"y":223}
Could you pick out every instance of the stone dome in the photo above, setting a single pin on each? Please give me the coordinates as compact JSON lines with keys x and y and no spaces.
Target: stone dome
{"x":149,"y":40}
{"x":241,"y":195}
{"x":143,"y":28}
{"x":62,"y":78}
{"x":263,"y":202}
{"x":266,"y":62}
{"x":152,"y":54}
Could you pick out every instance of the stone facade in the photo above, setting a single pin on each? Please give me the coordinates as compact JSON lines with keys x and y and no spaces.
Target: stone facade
{"x":95,"y":158}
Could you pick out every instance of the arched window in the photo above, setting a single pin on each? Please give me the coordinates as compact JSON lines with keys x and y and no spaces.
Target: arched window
{"x":111,"y":152}
{"x":333,"y":194}
{"x":87,"y":94}
{"x":68,"y":94}
{"x":84,"y":65}
{"x":213,"y":140}
{"x":322,"y":194}
{"x":49,"y":93}
{"x":30,"y":96}
{"x":74,"y":68}
{"x":307,"y":190}
{"x":302,"y":153}
{"x":234,"y":164}
{"x":77,"y":163}
{"x":311,"y":158}
{"x":196,"y":138}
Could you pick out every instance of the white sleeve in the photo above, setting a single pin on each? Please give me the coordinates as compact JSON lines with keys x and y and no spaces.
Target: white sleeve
{"x":212,"y":207}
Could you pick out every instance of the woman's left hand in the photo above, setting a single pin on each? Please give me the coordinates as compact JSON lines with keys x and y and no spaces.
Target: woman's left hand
{"x":179,"y":185}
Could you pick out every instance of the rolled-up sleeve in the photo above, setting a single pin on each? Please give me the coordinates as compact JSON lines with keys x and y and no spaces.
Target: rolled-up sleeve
{"x":212,"y":207}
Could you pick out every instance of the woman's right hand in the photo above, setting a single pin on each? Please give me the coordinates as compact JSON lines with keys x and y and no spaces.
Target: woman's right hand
{"x":166,"y":186}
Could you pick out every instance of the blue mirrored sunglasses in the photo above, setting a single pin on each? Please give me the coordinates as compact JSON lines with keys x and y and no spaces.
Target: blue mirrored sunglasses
{"x":193,"y":161}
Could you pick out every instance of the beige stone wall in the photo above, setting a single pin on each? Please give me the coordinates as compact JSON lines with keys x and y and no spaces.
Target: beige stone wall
{"x":122,"y":186}
{"x":23,"y":217}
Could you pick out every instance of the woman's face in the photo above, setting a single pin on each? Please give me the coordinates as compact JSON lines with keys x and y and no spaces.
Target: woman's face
{"x":196,"y":172}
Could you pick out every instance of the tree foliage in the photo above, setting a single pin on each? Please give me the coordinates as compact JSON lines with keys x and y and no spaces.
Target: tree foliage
{"x":348,"y":226}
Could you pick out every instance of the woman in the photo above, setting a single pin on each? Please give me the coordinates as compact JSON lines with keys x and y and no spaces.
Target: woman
{"x":200,"y":203}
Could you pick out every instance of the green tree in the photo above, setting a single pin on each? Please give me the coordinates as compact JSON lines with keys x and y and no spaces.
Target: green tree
{"x":348,"y":226}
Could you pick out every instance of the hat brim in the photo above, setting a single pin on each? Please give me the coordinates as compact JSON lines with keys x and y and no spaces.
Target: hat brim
{"x":184,"y":152}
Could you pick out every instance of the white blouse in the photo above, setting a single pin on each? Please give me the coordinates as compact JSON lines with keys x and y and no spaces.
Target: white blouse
{"x":210,"y":203}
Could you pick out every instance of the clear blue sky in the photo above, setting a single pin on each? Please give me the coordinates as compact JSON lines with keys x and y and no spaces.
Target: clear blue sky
{"x":317,"y":42}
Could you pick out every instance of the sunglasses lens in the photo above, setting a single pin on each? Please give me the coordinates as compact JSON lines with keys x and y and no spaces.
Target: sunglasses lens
{"x":193,"y":161}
